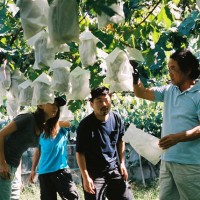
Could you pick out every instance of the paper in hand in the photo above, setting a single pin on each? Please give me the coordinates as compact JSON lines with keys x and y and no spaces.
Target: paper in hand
{"x":144,"y":144}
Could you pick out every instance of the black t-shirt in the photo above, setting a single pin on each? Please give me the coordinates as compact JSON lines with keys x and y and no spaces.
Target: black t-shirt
{"x":97,"y":140}
{"x":18,"y":142}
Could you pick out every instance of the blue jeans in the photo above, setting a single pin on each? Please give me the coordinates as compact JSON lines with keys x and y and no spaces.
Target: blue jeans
{"x":5,"y":185}
{"x":110,"y":185}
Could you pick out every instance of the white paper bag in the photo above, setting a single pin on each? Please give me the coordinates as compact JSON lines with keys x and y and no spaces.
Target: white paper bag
{"x":34,"y":15}
{"x":119,"y":71}
{"x":17,"y":78}
{"x":60,"y":78}
{"x":144,"y":144}
{"x":87,"y":48}
{"x":42,"y":93}
{"x":134,"y":54}
{"x":79,"y":84}
{"x":66,"y":114}
{"x":63,"y":22}
{"x":26,"y":93}
{"x":5,"y":77}
{"x":12,"y":106}
{"x":104,"y":19}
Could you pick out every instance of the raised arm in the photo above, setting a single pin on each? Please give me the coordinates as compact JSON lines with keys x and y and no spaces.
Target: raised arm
{"x":142,"y":92}
{"x":138,"y":88}
{"x":65,"y":124}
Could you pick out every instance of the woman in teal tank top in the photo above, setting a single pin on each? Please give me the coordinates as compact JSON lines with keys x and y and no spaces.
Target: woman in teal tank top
{"x":54,"y":173}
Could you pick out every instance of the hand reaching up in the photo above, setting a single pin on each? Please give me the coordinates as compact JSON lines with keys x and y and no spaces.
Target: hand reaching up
{"x":135,"y":73}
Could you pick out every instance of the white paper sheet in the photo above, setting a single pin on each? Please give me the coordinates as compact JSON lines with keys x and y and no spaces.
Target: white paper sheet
{"x":144,"y":144}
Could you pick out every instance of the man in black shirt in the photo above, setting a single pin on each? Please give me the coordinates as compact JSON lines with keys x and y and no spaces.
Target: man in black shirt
{"x":100,"y":151}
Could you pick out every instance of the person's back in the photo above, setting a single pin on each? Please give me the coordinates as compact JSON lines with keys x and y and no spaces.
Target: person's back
{"x":24,"y":137}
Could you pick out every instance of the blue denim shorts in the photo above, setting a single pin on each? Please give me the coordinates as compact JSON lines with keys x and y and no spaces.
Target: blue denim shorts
{"x":5,"y":185}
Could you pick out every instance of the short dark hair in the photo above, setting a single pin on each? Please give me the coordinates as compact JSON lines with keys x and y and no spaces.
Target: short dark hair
{"x":96,"y":92}
{"x":187,"y":62}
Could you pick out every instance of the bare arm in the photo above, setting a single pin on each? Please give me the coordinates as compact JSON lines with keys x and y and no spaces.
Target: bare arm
{"x":65,"y":124}
{"x":185,"y":136}
{"x":121,"y":150}
{"x":7,"y":130}
{"x":88,"y":184}
{"x":35,"y":160}
{"x":142,"y":92}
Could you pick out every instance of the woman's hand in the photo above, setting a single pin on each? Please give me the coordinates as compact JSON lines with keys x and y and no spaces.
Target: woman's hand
{"x":4,"y":171}
{"x":32,"y":176}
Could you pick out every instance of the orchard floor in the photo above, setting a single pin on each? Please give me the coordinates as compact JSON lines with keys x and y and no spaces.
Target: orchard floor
{"x":149,"y":191}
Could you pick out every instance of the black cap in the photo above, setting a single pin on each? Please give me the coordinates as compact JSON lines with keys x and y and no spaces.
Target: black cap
{"x":60,"y":101}
{"x":98,"y":92}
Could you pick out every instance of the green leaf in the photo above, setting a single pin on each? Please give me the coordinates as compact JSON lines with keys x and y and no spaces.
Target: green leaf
{"x":108,"y":11}
{"x":107,"y":39}
{"x":167,"y":17}
{"x":74,"y":105}
{"x":155,"y":36}
{"x":188,"y":24}
{"x":176,"y":1}
{"x":3,"y":40}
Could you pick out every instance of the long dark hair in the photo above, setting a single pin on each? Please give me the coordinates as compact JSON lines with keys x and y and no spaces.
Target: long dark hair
{"x":187,"y":62}
{"x":40,"y":119}
{"x":50,"y":125}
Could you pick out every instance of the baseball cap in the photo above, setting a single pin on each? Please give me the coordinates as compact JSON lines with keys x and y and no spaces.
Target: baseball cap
{"x":60,"y":101}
